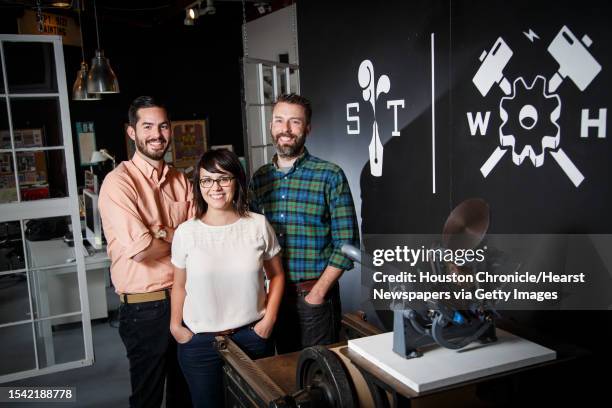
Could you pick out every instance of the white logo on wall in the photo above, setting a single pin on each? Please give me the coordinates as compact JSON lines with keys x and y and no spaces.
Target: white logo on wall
{"x":534,"y":105}
{"x":371,"y":91}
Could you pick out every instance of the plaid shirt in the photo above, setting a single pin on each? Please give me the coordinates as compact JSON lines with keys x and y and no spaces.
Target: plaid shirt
{"x":312,"y":212}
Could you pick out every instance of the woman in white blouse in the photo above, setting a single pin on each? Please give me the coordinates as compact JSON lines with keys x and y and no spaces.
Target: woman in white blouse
{"x":220,"y":256}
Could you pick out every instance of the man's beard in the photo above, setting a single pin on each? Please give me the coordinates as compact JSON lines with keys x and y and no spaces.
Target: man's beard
{"x":141,"y":146}
{"x":289,"y":151}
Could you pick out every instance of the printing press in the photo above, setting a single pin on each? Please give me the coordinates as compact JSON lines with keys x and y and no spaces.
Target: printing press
{"x":451,"y":324}
{"x":418,"y":364}
{"x":315,"y":377}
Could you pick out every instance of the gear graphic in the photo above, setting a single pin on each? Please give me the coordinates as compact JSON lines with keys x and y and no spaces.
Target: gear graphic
{"x":529,"y":121}
{"x":529,"y":113}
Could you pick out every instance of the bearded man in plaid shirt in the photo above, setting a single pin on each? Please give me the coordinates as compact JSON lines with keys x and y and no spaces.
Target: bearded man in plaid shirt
{"x":308,"y":202}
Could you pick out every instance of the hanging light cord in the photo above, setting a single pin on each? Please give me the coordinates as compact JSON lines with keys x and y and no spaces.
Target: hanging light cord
{"x":245,"y":45}
{"x":81,"y":32}
{"x":295,"y":33}
{"x":97,"y":29}
{"x":39,"y":17}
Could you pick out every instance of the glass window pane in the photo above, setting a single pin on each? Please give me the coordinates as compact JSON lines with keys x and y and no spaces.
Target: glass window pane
{"x":254,"y":125}
{"x":281,"y":81}
{"x":14,"y":298}
{"x":39,"y":77}
{"x":250,"y":83}
{"x":294,"y":81}
{"x":8,"y":190}
{"x":1,"y":77}
{"x":36,"y":122}
{"x":42,"y":174}
{"x":5,"y":137}
{"x":33,"y":176}
{"x":55,"y":291}
{"x":59,"y":342}
{"x":268,"y":85}
{"x":11,"y":247}
{"x":256,"y":158}
{"x":268,"y":119}
{"x":45,"y":243}
{"x":17,"y":351}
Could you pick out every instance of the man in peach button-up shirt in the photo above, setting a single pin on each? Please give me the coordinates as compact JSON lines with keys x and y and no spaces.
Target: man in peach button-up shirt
{"x":141,"y":203}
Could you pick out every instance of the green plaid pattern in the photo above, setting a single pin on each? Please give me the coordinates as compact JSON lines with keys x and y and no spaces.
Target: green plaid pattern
{"x":311,"y":209}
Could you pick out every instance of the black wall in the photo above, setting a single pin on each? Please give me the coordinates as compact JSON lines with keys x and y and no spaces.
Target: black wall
{"x":397,"y":39}
{"x":195,"y":70}
{"x":334,"y":39}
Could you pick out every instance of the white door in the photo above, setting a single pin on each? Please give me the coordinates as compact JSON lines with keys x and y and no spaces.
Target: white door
{"x":43,"y":327}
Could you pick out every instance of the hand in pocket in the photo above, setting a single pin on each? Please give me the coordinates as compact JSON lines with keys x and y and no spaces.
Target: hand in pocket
{"x":263,"y":328}
{"x":182,"y":335}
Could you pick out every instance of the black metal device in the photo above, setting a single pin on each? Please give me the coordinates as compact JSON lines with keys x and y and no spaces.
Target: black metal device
{"x":451,"y":324}
{"x":322,"y":379}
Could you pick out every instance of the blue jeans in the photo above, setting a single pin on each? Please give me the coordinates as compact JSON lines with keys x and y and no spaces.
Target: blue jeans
{"x":202,"y":365}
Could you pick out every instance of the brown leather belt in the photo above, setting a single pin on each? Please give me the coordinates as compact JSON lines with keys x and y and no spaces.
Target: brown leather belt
{"x":223,"y":333}
{"x":300,"y":288}
{"x":144,"y":297}
{"x":230,"y":331}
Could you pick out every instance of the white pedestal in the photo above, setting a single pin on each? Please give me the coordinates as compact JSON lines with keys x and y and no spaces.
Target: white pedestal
{"x":440,"y":367}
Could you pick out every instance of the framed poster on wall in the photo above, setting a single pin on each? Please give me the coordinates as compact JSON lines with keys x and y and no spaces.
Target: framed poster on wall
{"x":189,"y":140}
{"x":86,"y":137}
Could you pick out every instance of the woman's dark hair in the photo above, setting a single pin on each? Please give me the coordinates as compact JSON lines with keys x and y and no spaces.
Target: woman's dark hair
{"x":228,"y":162}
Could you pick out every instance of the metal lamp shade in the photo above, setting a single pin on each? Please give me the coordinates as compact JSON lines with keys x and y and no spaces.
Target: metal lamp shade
{"x":79,"y":89}
{"x":101,"y":78}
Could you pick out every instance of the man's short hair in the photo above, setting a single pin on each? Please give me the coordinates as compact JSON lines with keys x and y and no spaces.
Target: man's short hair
{"x":140,"y":103}
{"x":296,"y":100}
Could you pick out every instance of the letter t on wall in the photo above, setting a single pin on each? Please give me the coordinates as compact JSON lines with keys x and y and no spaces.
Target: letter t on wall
{"x":395,"y":104}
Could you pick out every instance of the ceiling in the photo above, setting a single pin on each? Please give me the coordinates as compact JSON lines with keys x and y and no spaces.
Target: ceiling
{"x":141,"y":13}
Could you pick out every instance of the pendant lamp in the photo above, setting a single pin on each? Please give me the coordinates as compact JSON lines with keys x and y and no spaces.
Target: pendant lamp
{"x":79,"y":89}
{"x":101,"y":78}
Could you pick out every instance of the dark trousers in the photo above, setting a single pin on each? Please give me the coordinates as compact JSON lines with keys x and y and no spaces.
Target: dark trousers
{"x":300,"y":324}
{"x":151,"y":350}
{"x":202,"y":364}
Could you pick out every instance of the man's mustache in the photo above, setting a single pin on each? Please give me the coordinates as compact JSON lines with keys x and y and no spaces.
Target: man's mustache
{"x":285,"y":134}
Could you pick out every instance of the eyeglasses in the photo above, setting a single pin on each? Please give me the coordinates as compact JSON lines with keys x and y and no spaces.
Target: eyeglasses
{"x":221,"y":181}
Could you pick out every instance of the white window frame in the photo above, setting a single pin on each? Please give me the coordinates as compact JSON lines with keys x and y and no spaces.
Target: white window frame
{"x":262,"y":126}
{"x":66,"y":206}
